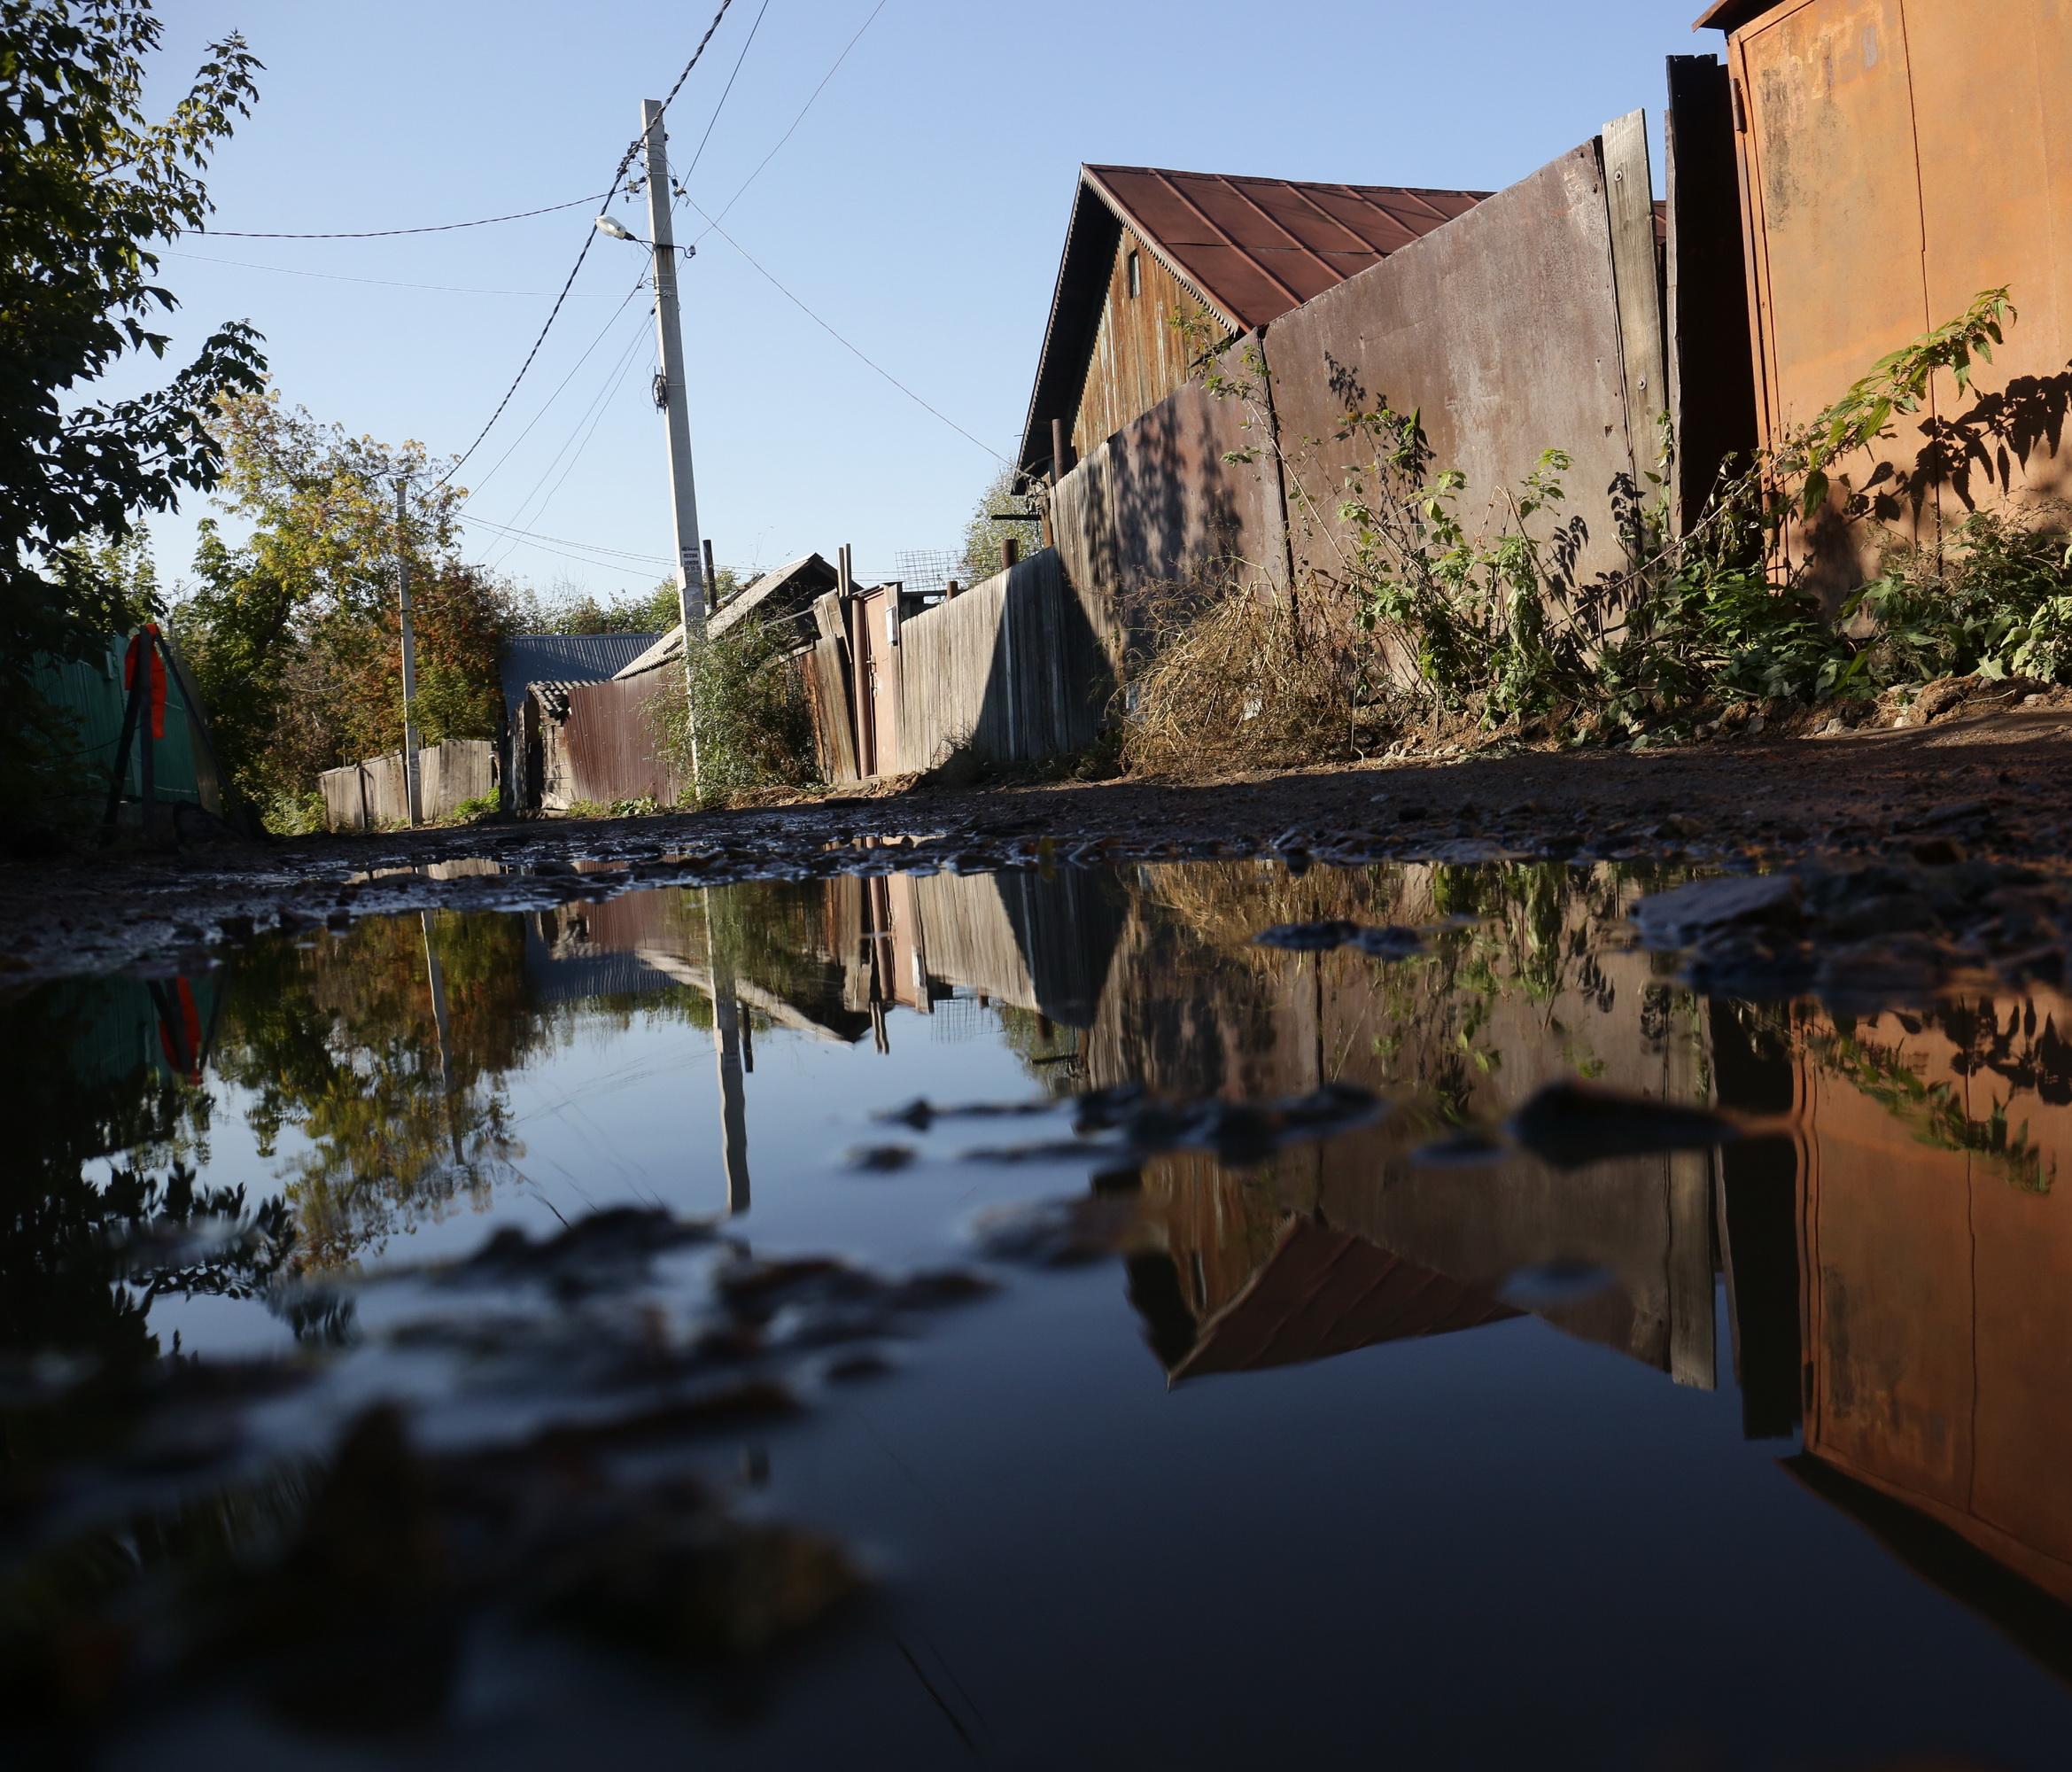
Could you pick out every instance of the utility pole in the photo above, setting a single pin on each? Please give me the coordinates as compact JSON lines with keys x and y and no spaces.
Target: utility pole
{"x":413,"y":790}
{"x":674,"y":399}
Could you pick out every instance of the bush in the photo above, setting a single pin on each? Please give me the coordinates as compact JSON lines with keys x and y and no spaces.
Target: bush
{"x":754,"y":725}
{"x":1999,"y":603}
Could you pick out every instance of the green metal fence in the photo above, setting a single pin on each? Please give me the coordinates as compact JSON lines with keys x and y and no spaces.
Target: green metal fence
{"x":91,"y":692}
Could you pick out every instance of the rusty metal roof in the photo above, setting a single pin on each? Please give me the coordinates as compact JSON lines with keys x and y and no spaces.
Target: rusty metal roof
{"x":1256,"y":247}
{"x":1251,"y":248}
{"x":1323,"y":1293}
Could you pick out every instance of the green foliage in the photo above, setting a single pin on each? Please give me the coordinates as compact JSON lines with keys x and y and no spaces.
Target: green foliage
{"x":1000,"y":514}
{"x":295,"y":637}
{"x":1492,"y":624}
{"x":1807,"y":456}
{"x":477,"y":807}
{"x":563,"y":608}
{"x":1998,"y":603}
{"x":87,"y":184}
{"x":754,"y":725}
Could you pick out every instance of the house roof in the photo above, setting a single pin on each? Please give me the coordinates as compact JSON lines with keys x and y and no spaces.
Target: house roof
{"x":528,"y":658}
{"x":786,"y":590}
{"x":1323,"y":1293}
{"x":1728,"y":15}
{"x":1251,"y":248}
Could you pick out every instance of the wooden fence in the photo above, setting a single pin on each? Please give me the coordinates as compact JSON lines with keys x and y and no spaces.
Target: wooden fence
{"x":372,"y":793}
{"x":1011,"y":668}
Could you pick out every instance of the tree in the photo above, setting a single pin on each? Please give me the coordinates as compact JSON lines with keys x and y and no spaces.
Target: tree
{"x":1002,"y":511}
{"x":294,"y":637}
{"x":87,"y":183}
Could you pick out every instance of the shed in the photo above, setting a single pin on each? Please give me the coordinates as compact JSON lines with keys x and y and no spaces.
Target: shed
{"x":1146,"y":247}
{"x":525,"y":660}
{"x":785,"y":593}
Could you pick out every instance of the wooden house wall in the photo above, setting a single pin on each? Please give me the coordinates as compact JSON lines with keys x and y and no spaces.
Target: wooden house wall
{"x":1139,"y":356}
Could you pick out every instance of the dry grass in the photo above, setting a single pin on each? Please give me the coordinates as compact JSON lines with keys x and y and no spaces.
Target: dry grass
{"x":1246,"y":677}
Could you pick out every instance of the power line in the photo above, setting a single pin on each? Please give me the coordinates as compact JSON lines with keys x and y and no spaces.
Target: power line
{"x":638,"y":283}
{"x":713,"y":120}
{"x":618,"y":173}
{"x":855,"y":351}
{"x":590,"y":546}
{"x":613,"y":376}
{"x":795,"y":121}
{"x":390,"y":233}
{"x":580,"y":560}
{"x":385,"y":283}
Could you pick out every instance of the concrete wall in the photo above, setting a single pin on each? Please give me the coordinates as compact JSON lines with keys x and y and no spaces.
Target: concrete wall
{"x":368,"y":795}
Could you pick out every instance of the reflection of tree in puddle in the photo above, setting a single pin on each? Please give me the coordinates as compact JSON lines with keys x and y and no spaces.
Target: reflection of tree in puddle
{"x":385,"y":1051}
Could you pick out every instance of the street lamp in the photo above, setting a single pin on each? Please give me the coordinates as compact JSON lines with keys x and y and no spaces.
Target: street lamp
{"x":611,"y":226}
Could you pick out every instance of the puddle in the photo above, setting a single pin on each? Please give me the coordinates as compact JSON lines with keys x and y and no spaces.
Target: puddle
{"x":1186,"y":1313}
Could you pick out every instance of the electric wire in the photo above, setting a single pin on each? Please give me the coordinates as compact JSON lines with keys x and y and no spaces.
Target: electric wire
{"x":853,"y":350}
{"x":619,"y":174}
{"x":613,"y":377}
{"x":644,"y":576}
{"x":385,"y":283}
{"x":712,"y":121}
{"x":640,"y":284}
{"x":391,"y":233}
{"x":566,"y":541}
{"x":713,"y":222}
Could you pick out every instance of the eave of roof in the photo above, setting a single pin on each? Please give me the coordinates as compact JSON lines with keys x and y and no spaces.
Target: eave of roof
{"x":1731,"y":15}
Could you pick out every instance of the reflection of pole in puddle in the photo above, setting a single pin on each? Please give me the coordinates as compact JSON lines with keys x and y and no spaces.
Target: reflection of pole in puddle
{"x":446,"y":1042}
{"x":726,"y":1029}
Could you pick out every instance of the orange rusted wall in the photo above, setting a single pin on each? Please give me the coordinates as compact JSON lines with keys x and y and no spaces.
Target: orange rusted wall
{"x":1139,"y":355}
{"x":1936,"y":1310}
{"x":1898,"y":157}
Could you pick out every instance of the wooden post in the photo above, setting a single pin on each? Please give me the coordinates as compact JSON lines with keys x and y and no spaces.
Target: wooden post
{"x":712,"y":580}
{"x":132,"y":705}
{"x":147,"y":755}
{"x":1010,"y":552}
{"x":951,"y":589}
{"x":1059,"y":465}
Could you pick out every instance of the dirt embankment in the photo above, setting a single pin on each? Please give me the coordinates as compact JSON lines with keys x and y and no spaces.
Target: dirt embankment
{"x":1984,"y":786}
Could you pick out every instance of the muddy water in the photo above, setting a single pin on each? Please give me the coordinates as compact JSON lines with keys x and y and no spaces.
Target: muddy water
{"x":419,"y":1347}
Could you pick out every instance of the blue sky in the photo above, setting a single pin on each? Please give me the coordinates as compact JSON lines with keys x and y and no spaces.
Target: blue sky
{"x":918,"y":208}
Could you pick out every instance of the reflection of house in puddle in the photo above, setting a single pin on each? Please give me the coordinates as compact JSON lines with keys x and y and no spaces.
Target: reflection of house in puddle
{"x":829,"y":958}
{"x":1897,"y":1270}
{"x":1934,"y":1274}
{"x":1462,"y":1033}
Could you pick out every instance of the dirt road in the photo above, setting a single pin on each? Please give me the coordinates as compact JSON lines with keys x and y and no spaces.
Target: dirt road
{"x":1996,"y":786}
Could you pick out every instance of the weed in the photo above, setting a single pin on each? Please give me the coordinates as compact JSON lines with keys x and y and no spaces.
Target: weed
{"x":1420,"y":619}
{"x":754,"y":725}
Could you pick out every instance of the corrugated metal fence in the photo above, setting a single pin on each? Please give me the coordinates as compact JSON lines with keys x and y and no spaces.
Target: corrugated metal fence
{"x":92,"y":693}
{"x":610,"y":750}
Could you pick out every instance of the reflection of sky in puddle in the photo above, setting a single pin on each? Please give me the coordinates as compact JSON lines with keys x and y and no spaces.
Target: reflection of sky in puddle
{"x":1478,"y":1454}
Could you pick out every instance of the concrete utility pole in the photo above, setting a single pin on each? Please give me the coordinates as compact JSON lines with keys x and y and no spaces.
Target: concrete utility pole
{"x":412,"y":787}
{"x":673,"y":398}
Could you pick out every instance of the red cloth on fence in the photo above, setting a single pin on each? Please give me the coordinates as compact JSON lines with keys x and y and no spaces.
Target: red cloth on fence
{"x":147,"y":636}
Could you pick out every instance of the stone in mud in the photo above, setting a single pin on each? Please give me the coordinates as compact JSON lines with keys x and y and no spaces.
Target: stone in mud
{"x":1570,"y":1124}
{"x":1681,"y":915}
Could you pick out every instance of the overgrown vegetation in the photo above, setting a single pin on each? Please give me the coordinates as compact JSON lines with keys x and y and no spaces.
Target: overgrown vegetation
{"x":88,"y":185}
{"x":1002,"y":514}
{"x":1424,"y":621}
{"x":755,"y":724}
